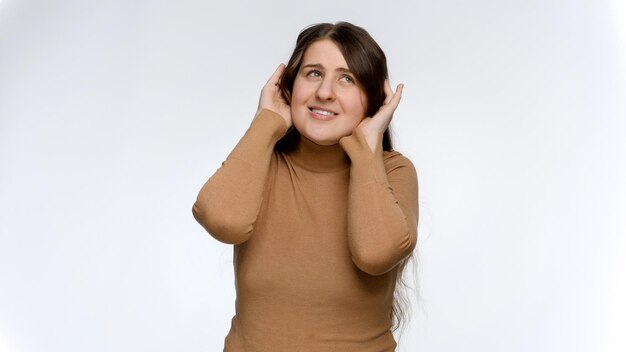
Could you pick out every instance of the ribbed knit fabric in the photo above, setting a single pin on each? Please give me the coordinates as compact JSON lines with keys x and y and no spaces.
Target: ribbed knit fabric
{"x":318,"y":234}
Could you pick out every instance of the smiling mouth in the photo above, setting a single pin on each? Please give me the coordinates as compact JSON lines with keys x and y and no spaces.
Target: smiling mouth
{"x":324,"y":114}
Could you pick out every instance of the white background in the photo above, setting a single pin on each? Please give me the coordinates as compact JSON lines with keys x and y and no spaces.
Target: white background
{"x":114,"y":113}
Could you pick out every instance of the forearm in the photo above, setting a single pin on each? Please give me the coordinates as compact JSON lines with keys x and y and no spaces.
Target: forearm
{"x":382,"y":207}
{"x":228,"y":203}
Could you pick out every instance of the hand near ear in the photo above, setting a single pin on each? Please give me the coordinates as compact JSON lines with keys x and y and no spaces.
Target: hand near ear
{"x":377,"y":124}
{"x":272,"y":99}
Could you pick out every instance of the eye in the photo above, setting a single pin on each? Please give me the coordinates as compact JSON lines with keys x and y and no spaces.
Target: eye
{"x":314,"y":73}
{"x":347,"y":79}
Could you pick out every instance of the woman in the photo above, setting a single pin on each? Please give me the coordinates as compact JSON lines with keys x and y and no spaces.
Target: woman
{"x":322,"y":213}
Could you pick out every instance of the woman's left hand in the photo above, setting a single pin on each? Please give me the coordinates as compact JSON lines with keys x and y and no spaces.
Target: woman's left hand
{"x":377,"y":124}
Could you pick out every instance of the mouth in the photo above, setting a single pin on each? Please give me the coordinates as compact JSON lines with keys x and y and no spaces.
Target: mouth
{"x":322,"y":114}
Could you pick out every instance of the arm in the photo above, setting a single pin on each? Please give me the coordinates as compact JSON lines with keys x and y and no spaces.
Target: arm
{"x":382,"y":206}
{"x":229,"y":202}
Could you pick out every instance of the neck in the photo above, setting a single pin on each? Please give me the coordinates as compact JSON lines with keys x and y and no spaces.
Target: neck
{"x":322,"y":158}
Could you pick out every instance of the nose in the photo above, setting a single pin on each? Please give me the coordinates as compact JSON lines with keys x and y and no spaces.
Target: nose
{"x":325,"y":90}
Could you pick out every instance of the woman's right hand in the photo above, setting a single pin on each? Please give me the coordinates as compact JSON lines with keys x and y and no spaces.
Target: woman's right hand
{"x":272,"y":99}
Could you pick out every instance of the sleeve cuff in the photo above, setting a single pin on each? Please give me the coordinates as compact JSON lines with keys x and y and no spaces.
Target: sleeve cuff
{"x":267,"y":128}
{"x":369,"y":165}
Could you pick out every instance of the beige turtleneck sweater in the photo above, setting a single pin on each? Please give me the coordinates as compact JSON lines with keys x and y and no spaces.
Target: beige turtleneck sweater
{"x":318,"y":234}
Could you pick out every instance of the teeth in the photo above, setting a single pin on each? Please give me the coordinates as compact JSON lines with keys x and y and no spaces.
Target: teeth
{"x":322,"y":112}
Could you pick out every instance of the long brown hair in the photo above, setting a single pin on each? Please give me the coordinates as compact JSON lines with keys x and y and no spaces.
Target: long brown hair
{"x":365,"y":59}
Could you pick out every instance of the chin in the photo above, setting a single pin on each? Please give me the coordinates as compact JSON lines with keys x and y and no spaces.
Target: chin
{"x":324,"y":133}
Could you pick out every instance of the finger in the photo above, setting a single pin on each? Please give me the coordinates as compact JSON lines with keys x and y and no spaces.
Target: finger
{"x":275,"y":78}
{"x":395,"y":99}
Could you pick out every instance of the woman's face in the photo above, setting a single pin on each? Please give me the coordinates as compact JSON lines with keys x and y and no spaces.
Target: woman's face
{"x":326,"y":102}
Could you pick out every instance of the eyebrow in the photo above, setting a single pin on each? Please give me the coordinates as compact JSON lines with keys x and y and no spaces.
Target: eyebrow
{"x":319,"y":66}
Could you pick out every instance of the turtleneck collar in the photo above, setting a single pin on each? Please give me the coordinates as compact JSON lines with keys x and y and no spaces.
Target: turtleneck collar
{"x":319,"y":158}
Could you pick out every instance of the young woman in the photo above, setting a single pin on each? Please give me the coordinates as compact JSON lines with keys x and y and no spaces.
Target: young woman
{"x":322,"y":213}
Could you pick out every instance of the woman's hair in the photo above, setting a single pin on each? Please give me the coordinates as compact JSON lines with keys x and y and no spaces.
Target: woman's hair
{"x":364,"y":57}
{"x":368,"y":63}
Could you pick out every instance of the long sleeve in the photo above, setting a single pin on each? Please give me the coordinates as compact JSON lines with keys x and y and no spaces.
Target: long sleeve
{"x":229,"y":202}
{"x":382,"y":206}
